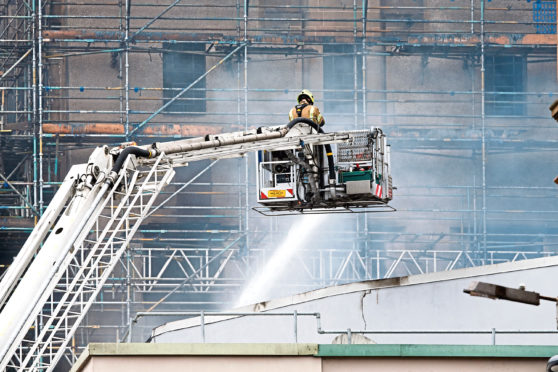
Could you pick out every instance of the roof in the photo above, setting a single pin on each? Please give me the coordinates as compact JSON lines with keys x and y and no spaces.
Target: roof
{"x":440,"y":276}
{"x":316,"y":350}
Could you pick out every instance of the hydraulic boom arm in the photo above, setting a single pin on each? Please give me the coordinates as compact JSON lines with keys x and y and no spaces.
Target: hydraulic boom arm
{"x":66,"y":260}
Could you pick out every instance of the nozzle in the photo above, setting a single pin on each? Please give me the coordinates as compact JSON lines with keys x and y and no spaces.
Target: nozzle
{"x":554,"y":110}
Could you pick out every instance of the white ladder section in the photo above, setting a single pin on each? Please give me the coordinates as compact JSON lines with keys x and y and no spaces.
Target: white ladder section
{"x":40,"y":338}
{"x":80,"y":277}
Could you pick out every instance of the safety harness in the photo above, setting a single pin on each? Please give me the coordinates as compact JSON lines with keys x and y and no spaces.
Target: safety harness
{"x":299,"y":109}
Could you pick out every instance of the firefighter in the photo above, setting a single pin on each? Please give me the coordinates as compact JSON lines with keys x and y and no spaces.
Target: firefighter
{"x":306,"y":108}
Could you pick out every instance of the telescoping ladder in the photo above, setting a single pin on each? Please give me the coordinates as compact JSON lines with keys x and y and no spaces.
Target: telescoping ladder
{"x":57,"y":276}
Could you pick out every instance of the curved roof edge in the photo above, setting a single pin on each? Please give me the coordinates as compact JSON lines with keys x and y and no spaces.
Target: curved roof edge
{"x":366,"y":285}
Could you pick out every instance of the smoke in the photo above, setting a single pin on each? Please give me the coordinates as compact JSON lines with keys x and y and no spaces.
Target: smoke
{"x":445,"y":204}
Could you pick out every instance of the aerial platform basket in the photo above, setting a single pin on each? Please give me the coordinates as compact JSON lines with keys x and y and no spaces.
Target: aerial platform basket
{"x":353,"y":176}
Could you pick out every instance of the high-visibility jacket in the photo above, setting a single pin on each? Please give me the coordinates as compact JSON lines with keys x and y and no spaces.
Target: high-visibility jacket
{"x":307,"y":111}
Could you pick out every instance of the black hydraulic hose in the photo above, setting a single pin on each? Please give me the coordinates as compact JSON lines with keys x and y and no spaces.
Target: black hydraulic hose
{"x":329,"y":153}
{"x":119,"y":162}
{"x":330,"y":162}
{"x":295,"y":121}
{"x":320,"y":155}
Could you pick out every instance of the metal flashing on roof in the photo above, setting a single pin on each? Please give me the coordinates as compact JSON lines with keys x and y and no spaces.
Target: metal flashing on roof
{"x":406,"y":350}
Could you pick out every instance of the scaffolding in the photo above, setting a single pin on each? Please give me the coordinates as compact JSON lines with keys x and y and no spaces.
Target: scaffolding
{"x":460,"y":87}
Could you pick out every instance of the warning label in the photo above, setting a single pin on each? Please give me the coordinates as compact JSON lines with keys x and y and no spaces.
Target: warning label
{"x":276,"y":193}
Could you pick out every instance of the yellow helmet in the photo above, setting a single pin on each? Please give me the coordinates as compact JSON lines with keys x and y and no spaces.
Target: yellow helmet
{"x":305,"y":93}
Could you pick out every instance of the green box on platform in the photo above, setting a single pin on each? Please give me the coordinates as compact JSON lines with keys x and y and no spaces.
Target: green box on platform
{"x":355,"y":176}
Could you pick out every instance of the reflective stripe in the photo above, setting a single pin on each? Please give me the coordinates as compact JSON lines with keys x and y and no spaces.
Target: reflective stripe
{"x":319,"y":118}
{"x":329,"y":153}
{"x":311,"y":112}
{"x":291,"y":116}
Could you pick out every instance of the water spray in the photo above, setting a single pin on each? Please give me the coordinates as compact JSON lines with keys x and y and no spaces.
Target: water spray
{"x":298,"y":235}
